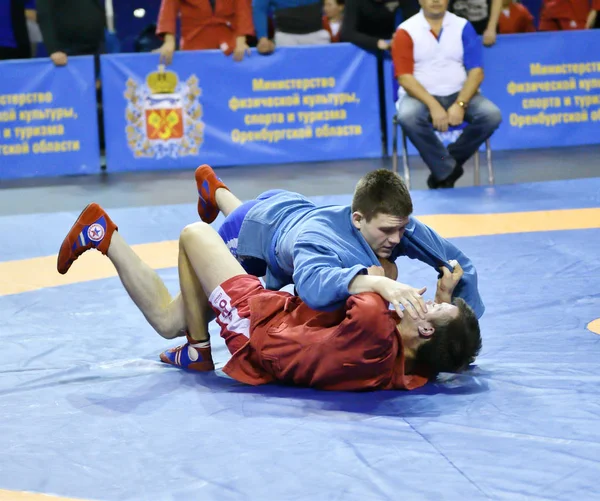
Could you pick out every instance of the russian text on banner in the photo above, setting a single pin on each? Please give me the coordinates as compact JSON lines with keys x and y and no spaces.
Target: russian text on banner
{"x":48,"y":118}
{"x":547,"y":86}
{"x":298,"y":104}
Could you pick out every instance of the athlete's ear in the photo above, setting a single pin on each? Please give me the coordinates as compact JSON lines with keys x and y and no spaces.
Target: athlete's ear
{"x":357,"y":219}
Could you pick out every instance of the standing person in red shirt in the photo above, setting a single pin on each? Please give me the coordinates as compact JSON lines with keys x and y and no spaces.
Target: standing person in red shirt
{"x":206,"y":24}
{"x":273,"y":335}
{"x":515,"y":18}
{"x":558,"y":15}
{"x":333,"y":18}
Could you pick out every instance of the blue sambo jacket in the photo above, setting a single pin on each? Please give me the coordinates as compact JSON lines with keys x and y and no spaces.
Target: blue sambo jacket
{"x":320,"y":251}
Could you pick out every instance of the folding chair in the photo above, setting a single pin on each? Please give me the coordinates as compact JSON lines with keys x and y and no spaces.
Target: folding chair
{"x":396,"y":124}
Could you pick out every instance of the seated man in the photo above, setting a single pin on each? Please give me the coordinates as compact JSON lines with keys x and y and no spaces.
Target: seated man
{"x":438,"y":63}
{"x":274,"y":336}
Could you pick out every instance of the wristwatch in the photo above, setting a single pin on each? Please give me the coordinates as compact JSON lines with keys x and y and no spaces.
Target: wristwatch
{"x":462,"y":104}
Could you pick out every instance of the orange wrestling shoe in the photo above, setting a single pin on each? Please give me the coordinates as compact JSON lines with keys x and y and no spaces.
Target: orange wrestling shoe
{"x":92,"y":230}
{"x":207,"y":183}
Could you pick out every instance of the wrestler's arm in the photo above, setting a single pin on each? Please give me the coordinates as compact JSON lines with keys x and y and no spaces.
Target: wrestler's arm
{"x":426,"y":245}
{"x":320,"y":280}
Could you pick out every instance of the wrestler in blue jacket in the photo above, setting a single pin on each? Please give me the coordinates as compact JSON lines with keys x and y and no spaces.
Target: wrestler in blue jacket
{"x":320,"y":251}
{"x":324,"y":250}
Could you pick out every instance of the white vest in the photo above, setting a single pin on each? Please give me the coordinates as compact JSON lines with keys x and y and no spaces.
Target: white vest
{"x":439,"y":64}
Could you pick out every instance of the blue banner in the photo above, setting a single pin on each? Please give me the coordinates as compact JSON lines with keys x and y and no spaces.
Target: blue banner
{"x":547,"y":86}
{"x":298,"y":104}
{"x":48,"y":118}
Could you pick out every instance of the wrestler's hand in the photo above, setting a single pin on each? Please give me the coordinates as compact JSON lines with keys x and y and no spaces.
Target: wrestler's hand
{"x":398,"y":294}
{"x":448,"y":282}
{"x":390,"y":269}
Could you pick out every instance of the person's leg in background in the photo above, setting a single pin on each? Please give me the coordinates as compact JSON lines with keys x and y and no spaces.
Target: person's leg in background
{"x":415,"y":120}
{"x":483,"y":118}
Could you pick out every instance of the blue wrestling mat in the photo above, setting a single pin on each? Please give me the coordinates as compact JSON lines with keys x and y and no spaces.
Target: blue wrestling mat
{"x":89,"y":412}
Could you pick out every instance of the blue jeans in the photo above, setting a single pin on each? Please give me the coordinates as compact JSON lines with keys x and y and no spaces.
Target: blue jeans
{"x":482,"y":116}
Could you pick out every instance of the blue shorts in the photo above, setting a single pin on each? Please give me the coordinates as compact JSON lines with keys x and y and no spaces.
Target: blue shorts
{"x":230,"y":232}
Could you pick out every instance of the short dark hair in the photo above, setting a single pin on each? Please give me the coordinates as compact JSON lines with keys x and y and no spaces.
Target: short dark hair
{"x":454,"y":344}
{"x":382,"y":191}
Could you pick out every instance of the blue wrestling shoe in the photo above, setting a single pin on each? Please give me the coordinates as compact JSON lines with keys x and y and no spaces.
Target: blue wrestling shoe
{"x":193,"y":355}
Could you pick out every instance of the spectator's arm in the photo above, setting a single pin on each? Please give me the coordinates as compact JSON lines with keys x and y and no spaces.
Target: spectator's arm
{"x":349,"y":32}
{"x":260,"y":14}
{"x":166,"y":28}
{"x":243,"y":18}
{"x":591,"y":19}
{"x":404,"y":66}
{"x":46,"y":23}
{"x":30,"y":12}
{"x":167,"y":18}
{"x":31,"y":15}
{"x":473,"y":62}
{"x":489,"y":37}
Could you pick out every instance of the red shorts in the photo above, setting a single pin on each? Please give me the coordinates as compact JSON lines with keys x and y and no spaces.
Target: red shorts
{"x":230,"y":304}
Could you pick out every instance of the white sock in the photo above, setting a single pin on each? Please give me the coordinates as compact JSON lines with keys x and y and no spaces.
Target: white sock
{"x":201,"y":344}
